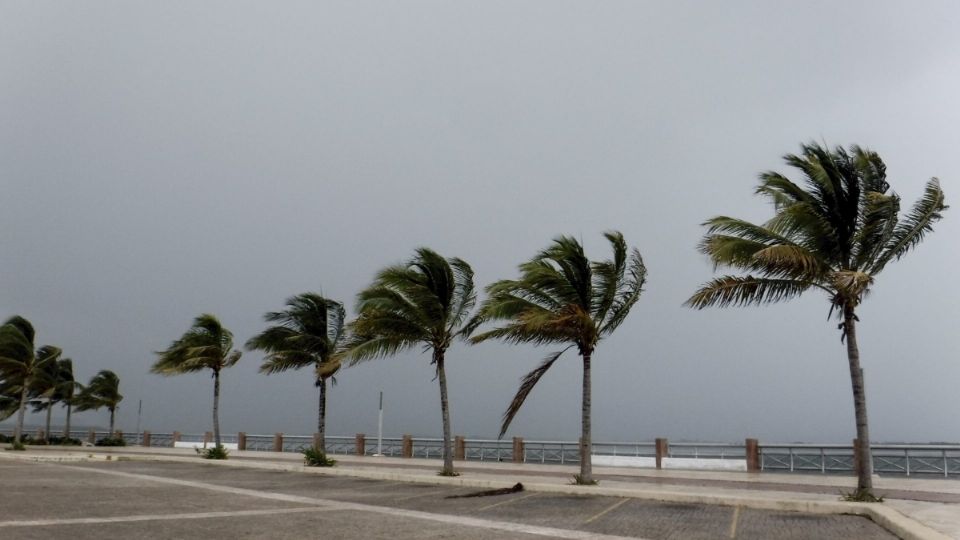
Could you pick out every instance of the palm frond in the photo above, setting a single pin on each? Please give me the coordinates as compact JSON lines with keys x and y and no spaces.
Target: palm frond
{"x":912,"y":229}
{"x":526,"y":386}
{"x":747,"y":290}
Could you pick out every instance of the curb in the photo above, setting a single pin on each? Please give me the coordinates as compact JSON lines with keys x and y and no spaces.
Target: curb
{"x":884,"y":516}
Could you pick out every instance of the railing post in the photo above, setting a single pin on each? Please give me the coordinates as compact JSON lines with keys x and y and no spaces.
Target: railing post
{"x":241,"y":441}
{"x":518,"y":449}
{"x":278,"y":442}
{"x":753,"y":455}
{"x":360,"y":443}
{"x":407,"y":448}
{"x":207,"y":437}
{"x":662,"y":450}
{"x":175,"y":439}
{"x":459,"y":448}
{"x":146,"y":438}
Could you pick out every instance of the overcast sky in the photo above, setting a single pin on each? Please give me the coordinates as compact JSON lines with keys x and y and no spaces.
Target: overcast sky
{"x":163,"y":159}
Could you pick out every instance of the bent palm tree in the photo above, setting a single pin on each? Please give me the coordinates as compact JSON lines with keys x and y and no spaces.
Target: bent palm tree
{"x":103,"y":391}
{"x":564,"y":298}
{"x":423,"y":302}
{"x":206,"y":345}
{"x":19,"y":365}
{"x":46,"y":388}
{"x":67,"y":389}
{"x":834,"y":234}
{"x":307,"y":334}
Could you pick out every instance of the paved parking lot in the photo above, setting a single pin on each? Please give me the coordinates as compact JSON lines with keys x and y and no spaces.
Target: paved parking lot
{"x":130,"y":499}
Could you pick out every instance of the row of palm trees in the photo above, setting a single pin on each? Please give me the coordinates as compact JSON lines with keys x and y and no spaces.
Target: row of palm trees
{"x":833,"y":231}
{"x":40,"y":378}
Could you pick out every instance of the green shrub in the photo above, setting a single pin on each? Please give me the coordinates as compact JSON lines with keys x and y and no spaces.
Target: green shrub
{"x":111,"y":441}
{"x":217,"y":452}
{"x":5,"y":439}
{"x":18,"y":446}
{"x":861,"y":495}
{"x":64,"y":441}
{"x":315,"y":458}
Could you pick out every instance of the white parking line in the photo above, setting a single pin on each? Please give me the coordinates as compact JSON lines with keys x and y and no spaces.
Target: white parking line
{"x":396,"y":512}
{"x":158,"y":517}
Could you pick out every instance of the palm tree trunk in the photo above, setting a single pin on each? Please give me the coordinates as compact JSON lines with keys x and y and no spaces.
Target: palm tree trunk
{"x":113,"y":412}
{"x":18,"y":431}
{"x":46,"y":432}
{"x":586,"y":445}
{"x":216,"y":407}
{"x":66,"y":428}
{"x":445,"y":409}
{"x":864,"y":456}
{"x":322,"y":417}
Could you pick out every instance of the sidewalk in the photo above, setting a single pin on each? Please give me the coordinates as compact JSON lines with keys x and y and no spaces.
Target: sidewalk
{"x":914,"y":508}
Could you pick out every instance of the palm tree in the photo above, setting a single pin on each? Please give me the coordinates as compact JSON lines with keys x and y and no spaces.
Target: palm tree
{"x":424,"y":302}
{"x":20,"y":363}
{"x":102,"y":391}
{"x":206,"y":345}
{"x":564,"y":298}
{"x":46,"y":388}
{"x":67,"y":389}
{"x":833,"y":234}
{"x":307,"y":333}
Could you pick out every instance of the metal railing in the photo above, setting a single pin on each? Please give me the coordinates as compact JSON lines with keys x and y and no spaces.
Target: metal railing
{"x":891,"y":459}
{"x":894,"y":459}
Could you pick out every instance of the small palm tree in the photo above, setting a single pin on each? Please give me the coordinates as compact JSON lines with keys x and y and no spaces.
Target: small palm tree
{"x":20,"y":364}
{"x":425,"y":302}
{"x":102,"y":391}
{"x":206,"y":345}
{"x":564,"y":298}
{"x":307,"y":333}
{"x":834,"y":234}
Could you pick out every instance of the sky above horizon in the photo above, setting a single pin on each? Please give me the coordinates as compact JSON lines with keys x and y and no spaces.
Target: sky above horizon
{"x":159,"y":160}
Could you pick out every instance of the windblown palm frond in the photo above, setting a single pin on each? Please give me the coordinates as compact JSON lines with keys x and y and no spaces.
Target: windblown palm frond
{"x":103,"y":390}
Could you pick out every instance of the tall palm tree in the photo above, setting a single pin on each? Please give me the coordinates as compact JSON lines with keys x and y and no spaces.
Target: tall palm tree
{"x":67,"y":389}
{"x":206,"y":345}
{"x":307,"y":333}
{"x":832,"y":233}
{"x":424,"y":302}
{"x":46,"y":388}
{"x":102,"y":391}
{"x":20,"y":363}
{"x":564,"y":298}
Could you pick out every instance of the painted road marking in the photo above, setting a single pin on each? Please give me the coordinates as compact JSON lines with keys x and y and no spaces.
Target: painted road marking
{"x":157,"y":517}
{"x":448,"y":519}
{"x":733,"y":522}
{"x":613,"y":507}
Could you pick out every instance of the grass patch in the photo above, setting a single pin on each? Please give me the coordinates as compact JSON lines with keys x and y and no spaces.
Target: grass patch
{"x":448,"y":473}
{"x":17,"y":446}
{"x":316,"y":458}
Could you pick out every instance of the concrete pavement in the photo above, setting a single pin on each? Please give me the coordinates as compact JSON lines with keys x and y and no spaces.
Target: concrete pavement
{"x":915,"y":508}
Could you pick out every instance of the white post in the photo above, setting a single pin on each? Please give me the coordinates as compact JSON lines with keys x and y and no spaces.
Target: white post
{"x":139,"y":411}
{"x":380,"y":428}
